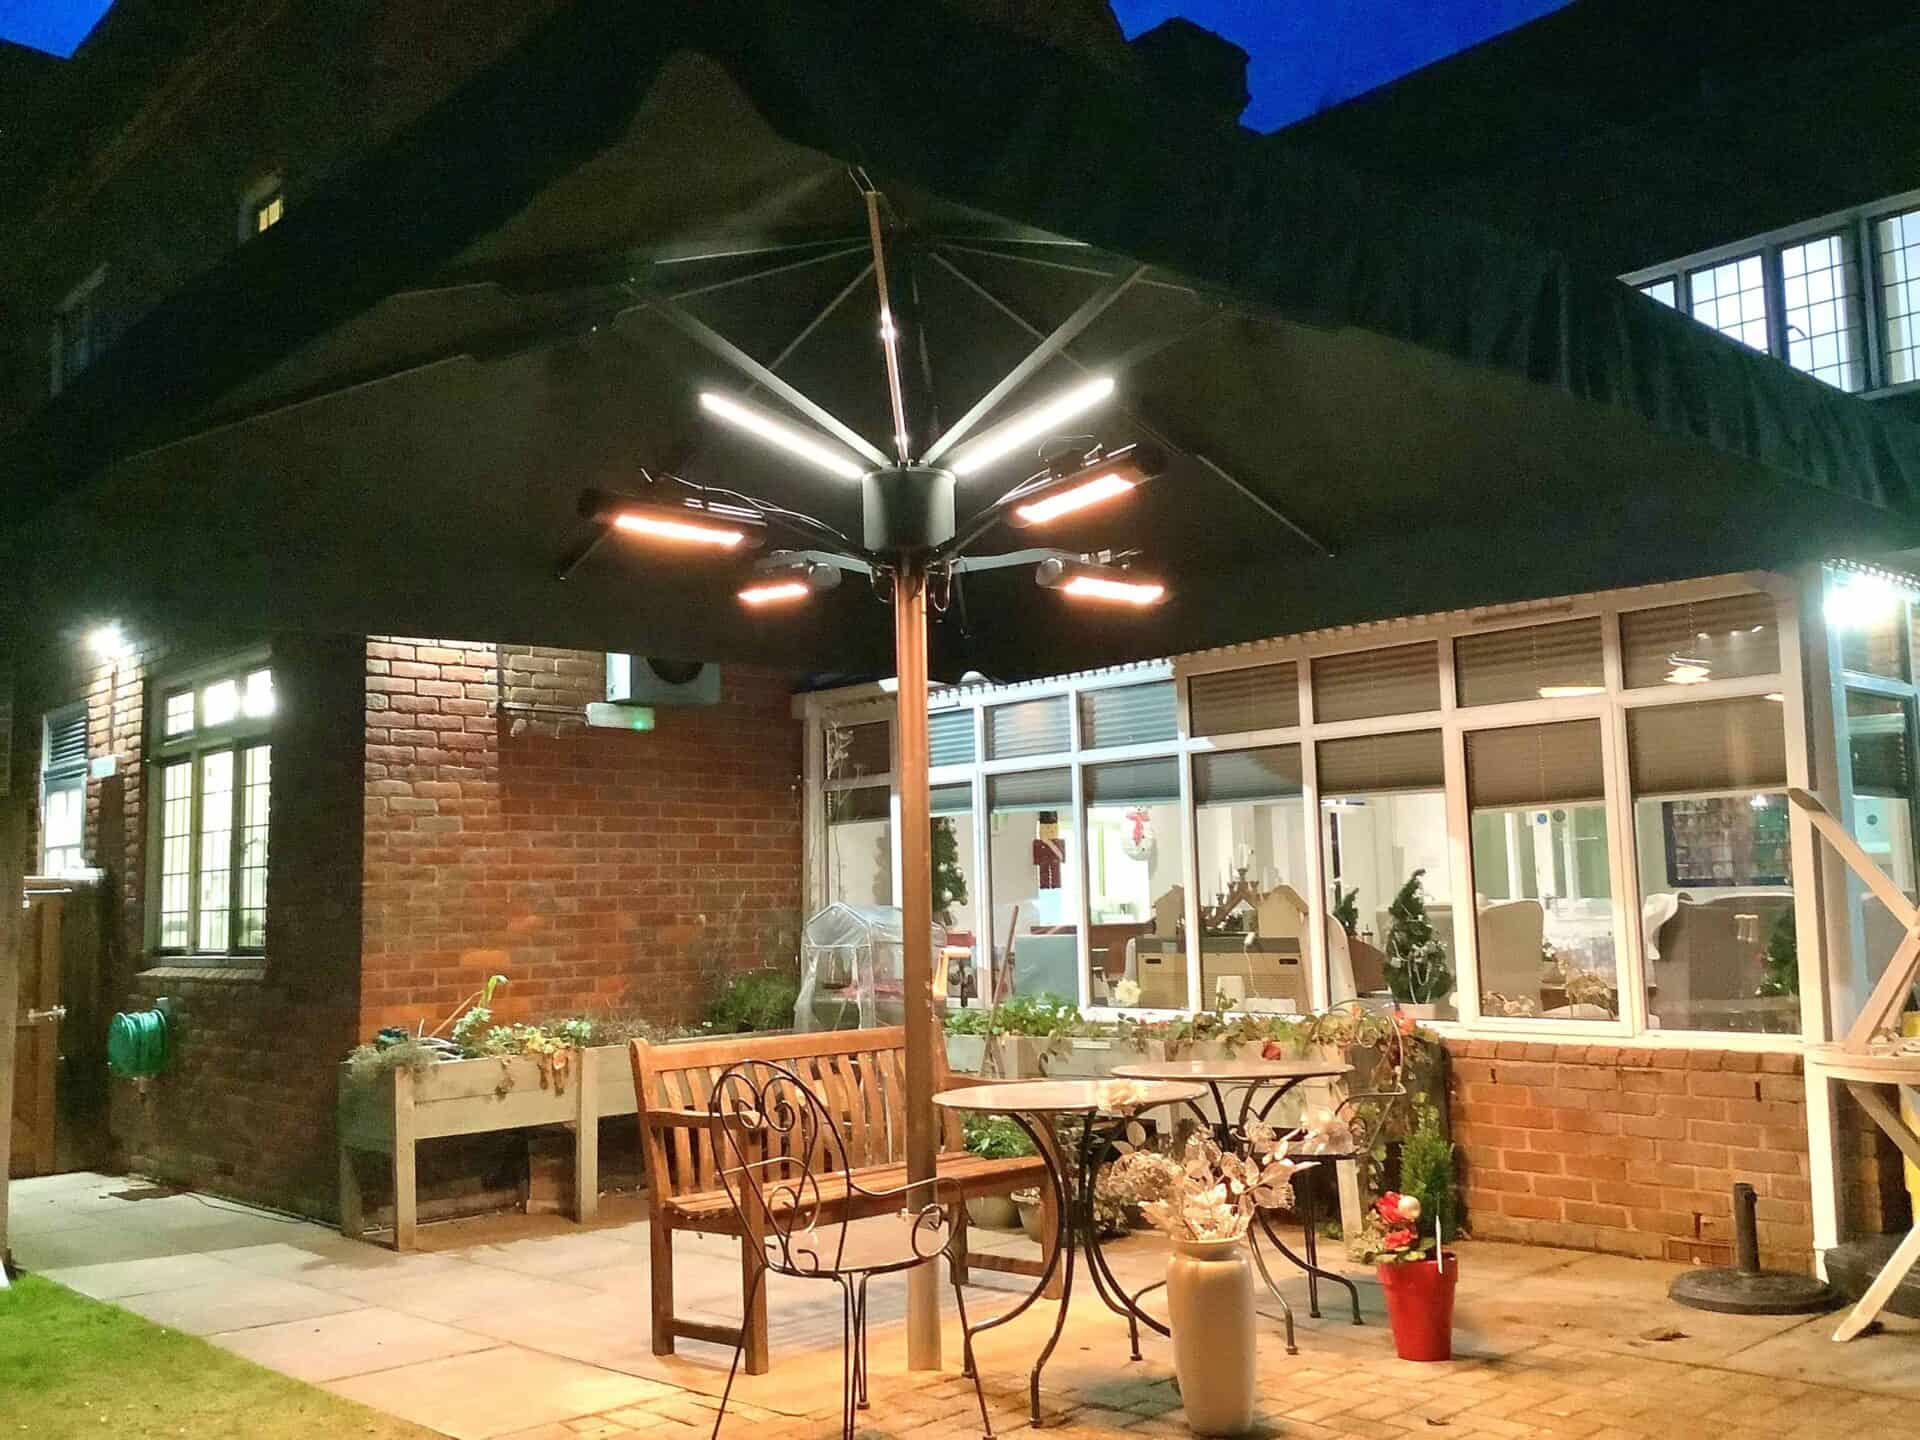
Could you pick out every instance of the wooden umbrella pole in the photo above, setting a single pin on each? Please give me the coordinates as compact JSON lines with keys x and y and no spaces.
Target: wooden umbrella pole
{"x":916,"y":920}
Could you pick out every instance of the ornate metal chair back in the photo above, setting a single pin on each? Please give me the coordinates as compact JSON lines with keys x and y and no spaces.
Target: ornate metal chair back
{"x":783,"y":1163}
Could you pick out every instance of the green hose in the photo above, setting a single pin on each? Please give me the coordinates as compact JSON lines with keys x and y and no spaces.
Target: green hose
{"x":137,"y":1044}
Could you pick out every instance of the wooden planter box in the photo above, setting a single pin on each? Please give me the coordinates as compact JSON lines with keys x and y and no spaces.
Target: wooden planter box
{"x":393,"y":1114}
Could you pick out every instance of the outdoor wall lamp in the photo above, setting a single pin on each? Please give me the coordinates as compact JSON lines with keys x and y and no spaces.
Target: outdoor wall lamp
{"x":108,"y":642}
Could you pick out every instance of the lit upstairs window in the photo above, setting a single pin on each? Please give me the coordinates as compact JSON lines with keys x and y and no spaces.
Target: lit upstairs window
{"x":1732,"y":298}
{"x":1896,"y":239}
{"x":262,"y":206}
{"x":1820,"y":285}
{"x":267,"y":213}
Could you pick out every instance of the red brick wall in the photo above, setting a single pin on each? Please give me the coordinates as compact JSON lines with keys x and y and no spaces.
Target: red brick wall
{"x":598,"y":869}
{"x":1631,"y":1150}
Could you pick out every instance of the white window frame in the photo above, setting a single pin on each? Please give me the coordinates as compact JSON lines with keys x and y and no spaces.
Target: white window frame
{"x":50,"y":784}
{"x":1857,"y":223}
{"x":238,"y":735}
{"x":1610,"y":708}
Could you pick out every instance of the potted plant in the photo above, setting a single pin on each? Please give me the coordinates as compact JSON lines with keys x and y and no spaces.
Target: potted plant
{"x":1204,"y":1202}
{"x":1417,"y":970}
{"x":1404,"y":1240}
{"x":996,"y":1138}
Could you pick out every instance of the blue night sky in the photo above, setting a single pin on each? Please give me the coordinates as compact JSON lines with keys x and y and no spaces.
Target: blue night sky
{"x":1306,"y":53}
{"x":56,"y":26}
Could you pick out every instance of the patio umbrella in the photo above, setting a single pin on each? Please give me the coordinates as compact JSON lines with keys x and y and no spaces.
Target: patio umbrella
{"x":379,"y":416}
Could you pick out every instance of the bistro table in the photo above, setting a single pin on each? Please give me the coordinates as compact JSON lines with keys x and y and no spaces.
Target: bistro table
{"x":1229,"y":1123}
{"x":1031,"y":1104}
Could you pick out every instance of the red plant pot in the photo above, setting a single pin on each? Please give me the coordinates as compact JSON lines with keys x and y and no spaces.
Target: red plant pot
{"x":1420,"y":1307}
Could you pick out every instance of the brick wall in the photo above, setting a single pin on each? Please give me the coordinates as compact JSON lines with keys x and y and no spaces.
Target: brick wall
{"x":247,"y":1107}
{"x":599,"y":869}
{"x":1631,"y":1150}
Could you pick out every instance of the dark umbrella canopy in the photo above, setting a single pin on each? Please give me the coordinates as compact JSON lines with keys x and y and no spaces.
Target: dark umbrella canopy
{"x":373,"y":428}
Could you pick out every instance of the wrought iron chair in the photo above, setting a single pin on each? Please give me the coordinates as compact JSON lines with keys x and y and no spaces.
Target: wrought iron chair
{"x":783,"y":1162}
{"x":1392,"y":1096}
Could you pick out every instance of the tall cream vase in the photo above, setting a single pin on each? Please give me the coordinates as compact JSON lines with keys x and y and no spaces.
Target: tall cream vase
{"x":1210,"y":1309}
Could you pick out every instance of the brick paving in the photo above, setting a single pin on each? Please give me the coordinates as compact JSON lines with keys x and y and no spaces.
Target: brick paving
{"x":522,"y":1328}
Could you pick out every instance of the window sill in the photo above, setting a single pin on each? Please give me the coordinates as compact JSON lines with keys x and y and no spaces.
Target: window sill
{"x":207,"y":967}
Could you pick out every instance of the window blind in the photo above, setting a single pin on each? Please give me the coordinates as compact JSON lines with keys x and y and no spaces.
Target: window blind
{"x":1134,"y":782}
{"x":1877,"y":741}
{"x":1534,"y":662}
{"x":1725,"y":745}
{"x":1223,"y":777}
{"x":1402,"y":680}
{"x":951,"y":800}
{"x":1534,"y":765}
{"x":1701,"y":640}
{"x":1128,"y":715}
{"x":1876,"y":645}
{"x":66,"y":743}
{"x":1031,"y":790}
{"x":1371,"y":764}
{"x":950,"y":737}
{"x":1028,"y":727}
{"x":1230,"y":702}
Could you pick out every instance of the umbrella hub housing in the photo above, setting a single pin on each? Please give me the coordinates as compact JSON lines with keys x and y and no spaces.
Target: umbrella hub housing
{"x":907,"y":509}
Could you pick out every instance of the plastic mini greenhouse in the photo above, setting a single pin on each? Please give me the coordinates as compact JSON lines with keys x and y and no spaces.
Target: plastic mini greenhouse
{"x":850,"y":968}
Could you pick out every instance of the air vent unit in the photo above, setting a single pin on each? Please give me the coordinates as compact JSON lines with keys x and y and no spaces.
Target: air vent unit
{"x":646,"y":680}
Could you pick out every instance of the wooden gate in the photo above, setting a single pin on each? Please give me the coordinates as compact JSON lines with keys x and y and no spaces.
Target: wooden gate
{"x":36,"y":1054}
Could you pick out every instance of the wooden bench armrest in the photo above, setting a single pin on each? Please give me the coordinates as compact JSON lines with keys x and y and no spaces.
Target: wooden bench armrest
{"x":667,"y":1117}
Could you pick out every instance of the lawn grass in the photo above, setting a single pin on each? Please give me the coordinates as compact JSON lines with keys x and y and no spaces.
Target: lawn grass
{"x":70,"y":1366}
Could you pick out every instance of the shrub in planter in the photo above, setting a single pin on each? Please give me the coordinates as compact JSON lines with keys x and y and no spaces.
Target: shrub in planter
{"x":1405,"y":1242}
{"x":996,"y":1138}
{"x":754,"y":1000}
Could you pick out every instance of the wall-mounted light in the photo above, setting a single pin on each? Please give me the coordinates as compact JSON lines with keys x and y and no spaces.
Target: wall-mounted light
{"x":1086,"y":486}
{"x":1857,"y":600}
{"x":696,"y":525}
{"x":1085,"y":581}
{"x":108,"y":642}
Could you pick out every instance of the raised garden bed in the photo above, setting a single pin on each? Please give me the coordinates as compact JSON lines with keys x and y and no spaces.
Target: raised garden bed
{"x":392,"y":1113}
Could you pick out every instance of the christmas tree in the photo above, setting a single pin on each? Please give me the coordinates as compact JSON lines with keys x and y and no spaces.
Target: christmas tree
{"x":1417,"y":969}
{"x":949,"y":884}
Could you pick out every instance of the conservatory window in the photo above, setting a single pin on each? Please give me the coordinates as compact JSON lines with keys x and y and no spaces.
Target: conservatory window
{"x":1542,"y":891}
{"x":1136,"y":880}
{"x":1383,"y":835}
{"x":1532,"y":662}
{"x":1250,"y":834}
{"x":1230,"y":702}
{"x":1036,"y":884}
{"x":1403,"y":680}
{"x":954,"y":883}
{"x":1880,"y":746}
{"x":1716,"y":874}
{"x":1703,"y":640}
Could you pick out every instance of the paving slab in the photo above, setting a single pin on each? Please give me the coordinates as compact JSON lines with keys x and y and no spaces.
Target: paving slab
{"x":240,"y":1302}
{"x":496,"y":1392}
{"x":351,"y":1342}
{"x":118,"y":1279}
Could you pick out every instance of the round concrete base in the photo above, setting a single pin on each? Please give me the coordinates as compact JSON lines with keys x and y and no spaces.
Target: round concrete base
{"x":1759,"y":1292}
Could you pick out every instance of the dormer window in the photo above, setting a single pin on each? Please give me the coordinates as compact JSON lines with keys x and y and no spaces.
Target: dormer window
{"x":262,"y":207}
{"x":76,"y":332}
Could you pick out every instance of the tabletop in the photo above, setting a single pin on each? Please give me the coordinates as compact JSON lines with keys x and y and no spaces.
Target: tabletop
{"x":1061,"y":1097}
{"x":1865,"y":1066}
{"x":1230,"y":1069}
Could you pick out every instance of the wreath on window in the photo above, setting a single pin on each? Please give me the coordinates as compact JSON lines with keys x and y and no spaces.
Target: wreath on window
{"x":1137,"y":840}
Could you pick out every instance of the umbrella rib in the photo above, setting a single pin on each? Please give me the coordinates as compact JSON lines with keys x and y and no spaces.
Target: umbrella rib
{"x":733,"y":355}
{"x":713,"y":286}
{"x":1154,"y":431}
{"x":1055,"y":343}
{"x":889,"y":333}
{"x":1151,"y":282}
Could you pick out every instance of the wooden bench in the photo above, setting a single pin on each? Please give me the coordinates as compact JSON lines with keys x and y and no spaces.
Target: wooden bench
{"x":859,"y":1078}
